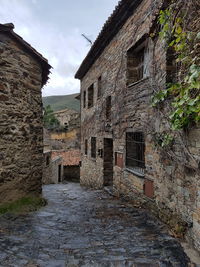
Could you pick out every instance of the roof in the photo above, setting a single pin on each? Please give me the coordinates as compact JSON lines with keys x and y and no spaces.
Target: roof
{"x":122,"y":12}
{"x":8,"y":28}
{"x":69,"y":158}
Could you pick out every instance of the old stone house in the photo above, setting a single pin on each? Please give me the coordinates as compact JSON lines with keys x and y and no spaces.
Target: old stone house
{"x":67,"y":117}
{"x":23,"y":73}
{"x":64,"y":143}
{"x":52,"y":168}
{"x":71,"y":163}
{"x":118,"y":123}
{"x":67,"y":136}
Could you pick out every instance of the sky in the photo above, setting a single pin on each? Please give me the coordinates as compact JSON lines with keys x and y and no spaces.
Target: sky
{"x":54,"y":28}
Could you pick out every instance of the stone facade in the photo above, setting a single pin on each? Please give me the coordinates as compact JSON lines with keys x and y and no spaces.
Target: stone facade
{"x":116,"y":108}
{"x":68,"y":117}
{"x":23,"y":72}
{"x":52,"y":169}
{"x":71,"y":163}
{"x":67,"y":135}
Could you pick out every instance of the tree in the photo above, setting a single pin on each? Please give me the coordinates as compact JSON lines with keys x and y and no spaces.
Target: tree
{"x":49,"y":119}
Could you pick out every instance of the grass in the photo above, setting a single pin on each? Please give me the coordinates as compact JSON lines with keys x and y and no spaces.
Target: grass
{"x":23,"y":205}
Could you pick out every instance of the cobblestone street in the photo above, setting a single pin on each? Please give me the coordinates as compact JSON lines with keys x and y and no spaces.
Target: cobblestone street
{"x":82,"y":227}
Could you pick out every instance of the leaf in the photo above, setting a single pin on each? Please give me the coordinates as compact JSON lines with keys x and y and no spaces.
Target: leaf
{"x":178,"y":39}
{"x":179,"y":30}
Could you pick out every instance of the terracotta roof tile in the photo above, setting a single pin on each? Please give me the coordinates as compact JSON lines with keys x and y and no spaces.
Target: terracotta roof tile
{"x":69,"y":158}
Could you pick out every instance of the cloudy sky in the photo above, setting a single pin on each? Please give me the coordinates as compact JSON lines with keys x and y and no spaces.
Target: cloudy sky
{"x":54,"y":28}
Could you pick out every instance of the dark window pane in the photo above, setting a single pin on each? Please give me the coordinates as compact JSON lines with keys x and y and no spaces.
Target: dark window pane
{"x":93,"y":147}
{"x":91,"y":96}
{"x":135,"y":150}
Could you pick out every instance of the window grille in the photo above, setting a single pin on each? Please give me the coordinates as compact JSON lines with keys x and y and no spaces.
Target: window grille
{"x":91,"y":96}
{"x":86,"y":146}
{"x":135,"y":151}
{"x":93,"y":147}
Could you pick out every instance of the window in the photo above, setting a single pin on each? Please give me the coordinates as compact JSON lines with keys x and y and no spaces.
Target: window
{"x":99,"y":87}
{"x":86,"y":146}
{"x":91,"y":96}
{"x":93,"y":147}
{"x":135,"y":149}
{"x":84,"y":99}
{"x":47,"y":160}
{"x":171,"y":66}
{"x":137,"y":59}
{"x":66,"y":126}
{"x":108,"y":108}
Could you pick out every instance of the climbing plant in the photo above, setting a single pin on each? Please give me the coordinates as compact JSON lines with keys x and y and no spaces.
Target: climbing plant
{"x":184,"y":40}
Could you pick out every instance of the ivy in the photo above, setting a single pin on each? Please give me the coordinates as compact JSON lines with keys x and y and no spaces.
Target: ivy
{"x":184,"y":95}
{"x":164,"y":140}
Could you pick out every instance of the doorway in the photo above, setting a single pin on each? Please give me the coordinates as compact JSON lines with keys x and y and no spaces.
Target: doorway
{"x":108,"y":162}
{"x":59,"y":173}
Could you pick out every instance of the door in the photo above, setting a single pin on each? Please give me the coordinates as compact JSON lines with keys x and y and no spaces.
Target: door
{"x":59,"y":173}
{"x":108,"y":162}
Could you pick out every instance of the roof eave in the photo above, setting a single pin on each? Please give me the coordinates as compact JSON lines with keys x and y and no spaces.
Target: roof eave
{"x":112,"y":26}
{"x":9,"y":28}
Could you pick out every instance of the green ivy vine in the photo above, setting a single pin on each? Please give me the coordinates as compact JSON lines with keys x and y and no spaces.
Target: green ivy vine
{"x":184,"y":94}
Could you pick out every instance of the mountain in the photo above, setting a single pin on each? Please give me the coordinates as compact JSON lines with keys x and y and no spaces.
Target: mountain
{"x":59,"y":102}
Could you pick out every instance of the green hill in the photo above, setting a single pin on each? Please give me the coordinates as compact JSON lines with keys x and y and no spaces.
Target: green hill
{"x":59,"y":102}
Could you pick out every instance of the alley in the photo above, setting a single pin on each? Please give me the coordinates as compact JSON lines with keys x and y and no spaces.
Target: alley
{"x":82,"y":227}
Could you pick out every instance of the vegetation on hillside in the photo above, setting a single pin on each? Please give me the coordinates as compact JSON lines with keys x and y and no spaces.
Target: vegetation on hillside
{"x":62,"y":102}
{"x":49,"y":119}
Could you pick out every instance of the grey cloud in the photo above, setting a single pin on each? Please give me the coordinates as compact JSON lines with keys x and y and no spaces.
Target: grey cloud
{"x":54,"y":28}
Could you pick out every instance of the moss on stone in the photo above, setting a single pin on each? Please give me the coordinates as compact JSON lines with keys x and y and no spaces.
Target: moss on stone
{"x":25,"y":204}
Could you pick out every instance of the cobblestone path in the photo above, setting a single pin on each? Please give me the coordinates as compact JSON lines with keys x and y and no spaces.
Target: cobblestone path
{"x":82,"y":227}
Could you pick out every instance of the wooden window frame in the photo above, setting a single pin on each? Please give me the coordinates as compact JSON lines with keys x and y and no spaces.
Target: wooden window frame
{"x":136,"y":68}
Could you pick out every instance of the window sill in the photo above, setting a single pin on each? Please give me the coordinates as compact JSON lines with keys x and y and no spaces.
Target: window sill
{"x":134,"y":171}
{"x":140,"y":81}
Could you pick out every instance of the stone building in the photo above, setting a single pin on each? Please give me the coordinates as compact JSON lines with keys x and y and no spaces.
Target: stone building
{"x":118,"y":123}
{"x":68,"y":117}
{"x":71,"y":163}
{"x":23,"y":73}
{"x":63,"y":143}
{"x":52,"y":168}
{"x":67,"y":135}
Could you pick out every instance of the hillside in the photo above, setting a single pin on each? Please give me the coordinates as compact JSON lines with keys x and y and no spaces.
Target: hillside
{"x":59,"y":102}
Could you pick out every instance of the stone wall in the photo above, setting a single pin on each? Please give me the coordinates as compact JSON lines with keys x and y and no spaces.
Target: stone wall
{"x":68,"y":117}
{"x":21,"y":133}
{"x":52,"y":169}
{"x":171,"y":187}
